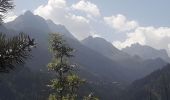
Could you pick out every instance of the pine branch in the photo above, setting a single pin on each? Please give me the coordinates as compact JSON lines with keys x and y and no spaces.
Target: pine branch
{"x":14,"y":51}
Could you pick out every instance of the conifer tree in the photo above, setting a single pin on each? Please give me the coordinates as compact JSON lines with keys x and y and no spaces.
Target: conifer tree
{"x":14,"y":50}
{"x":66,"y":84}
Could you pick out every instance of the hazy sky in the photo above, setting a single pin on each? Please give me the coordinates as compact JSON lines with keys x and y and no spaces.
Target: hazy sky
{"x":121,"y":22}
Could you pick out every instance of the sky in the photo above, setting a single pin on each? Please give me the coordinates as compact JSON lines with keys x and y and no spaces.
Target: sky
{"x":121,"y":22}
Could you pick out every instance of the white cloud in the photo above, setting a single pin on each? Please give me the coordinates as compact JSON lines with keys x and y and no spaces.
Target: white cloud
{"x":78,"y":25}
{"x":88,"y":7}
{"x":55,"y":9}
{"x":95,"y":34}
{"x":60,"y":13}
{"x":169,"y":47}
{"x":158,"y":38}
{"x":79,"y":19}
{"x":57,"y":3}
{"x":120,"y":23}
{"x":10,"y":17}
{"x":136,"y":37}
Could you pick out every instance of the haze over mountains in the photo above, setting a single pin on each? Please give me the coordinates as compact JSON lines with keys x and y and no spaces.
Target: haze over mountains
{"x":136,"y":63}
{"x":146,"y":52}
{"x":99,"y":60}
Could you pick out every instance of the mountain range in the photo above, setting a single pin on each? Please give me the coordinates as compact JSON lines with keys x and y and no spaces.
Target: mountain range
{"x":146,"y":52}
{"x":138,"y":66}
{"x":99,"y":61}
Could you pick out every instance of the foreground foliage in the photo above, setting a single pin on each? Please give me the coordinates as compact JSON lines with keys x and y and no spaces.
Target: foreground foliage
{"x":14,"y":50}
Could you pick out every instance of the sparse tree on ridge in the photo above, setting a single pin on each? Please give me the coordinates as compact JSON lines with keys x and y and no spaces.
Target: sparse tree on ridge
{"x":66,"y":84}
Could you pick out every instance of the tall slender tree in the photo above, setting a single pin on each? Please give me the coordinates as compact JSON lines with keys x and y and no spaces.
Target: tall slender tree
{"x":66,"y":84}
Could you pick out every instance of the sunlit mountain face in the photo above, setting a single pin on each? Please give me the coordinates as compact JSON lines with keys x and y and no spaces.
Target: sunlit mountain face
{"x":115,"y":49}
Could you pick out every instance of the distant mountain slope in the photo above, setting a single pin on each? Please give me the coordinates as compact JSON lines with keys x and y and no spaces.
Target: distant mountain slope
{"x":146,"y":52}
{"x":152,"y":87}
{"x":134,"y":66}
{"x":59,"y":28}
{"x":106,"y":48}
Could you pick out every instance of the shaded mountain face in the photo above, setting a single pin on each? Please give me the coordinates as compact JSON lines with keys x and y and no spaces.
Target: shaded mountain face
{"x":154,"y":86}
{"x":147,"y":52}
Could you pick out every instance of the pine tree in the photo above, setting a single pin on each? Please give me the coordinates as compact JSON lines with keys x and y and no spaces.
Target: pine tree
{"x":14,"y":50}
{"x":66,"y":84}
